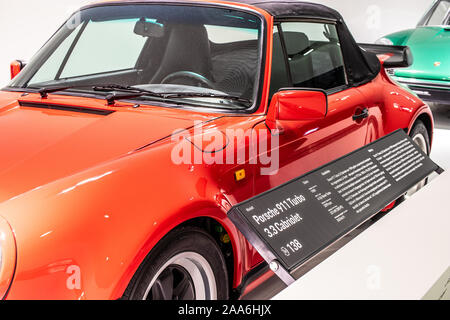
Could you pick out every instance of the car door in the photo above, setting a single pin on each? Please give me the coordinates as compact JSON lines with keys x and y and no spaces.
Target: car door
{"x":308,"y":55}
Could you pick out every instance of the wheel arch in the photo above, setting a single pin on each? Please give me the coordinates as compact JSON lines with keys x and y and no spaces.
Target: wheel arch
{"x":225,"y":236}
{"x":219,"y":232}
{"x":426,"y":117}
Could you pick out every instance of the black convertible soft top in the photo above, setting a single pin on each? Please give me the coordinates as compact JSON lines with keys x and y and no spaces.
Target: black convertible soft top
{"x":292,"y":8}
{"x":361,"y":66}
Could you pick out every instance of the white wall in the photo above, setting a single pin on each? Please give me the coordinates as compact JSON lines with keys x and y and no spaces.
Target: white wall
{"x":25,"y":25}
{"x":369,"y":20}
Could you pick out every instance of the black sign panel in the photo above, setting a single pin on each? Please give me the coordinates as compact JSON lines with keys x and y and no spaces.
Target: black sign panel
{"x":294,"y":222}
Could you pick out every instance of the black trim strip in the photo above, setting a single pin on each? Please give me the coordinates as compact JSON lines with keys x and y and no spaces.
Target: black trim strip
{"x":100,"y":112}
{"x":312,"y":19}
{"x":249,"y":278}
{"x":423,"y":85}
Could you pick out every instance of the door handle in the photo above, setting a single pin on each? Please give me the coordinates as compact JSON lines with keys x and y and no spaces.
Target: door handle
{"x":363,"y":115}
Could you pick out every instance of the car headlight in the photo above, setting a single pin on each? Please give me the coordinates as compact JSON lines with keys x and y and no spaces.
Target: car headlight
{"x":384,"y":41}
{"x":7,"y":257}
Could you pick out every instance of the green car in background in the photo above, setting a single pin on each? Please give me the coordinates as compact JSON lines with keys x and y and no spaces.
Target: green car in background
{"x":429,"y":75}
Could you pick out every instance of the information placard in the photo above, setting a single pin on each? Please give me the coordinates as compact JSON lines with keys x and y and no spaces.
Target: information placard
{"x":294,"y":222}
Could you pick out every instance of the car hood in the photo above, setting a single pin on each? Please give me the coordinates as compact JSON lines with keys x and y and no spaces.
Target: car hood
{"x":431,"y":50}
{"x":41,"y":143}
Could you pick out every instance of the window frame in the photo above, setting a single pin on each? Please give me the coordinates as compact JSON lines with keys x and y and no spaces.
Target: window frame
{"x":444,"y":20}
{"x":277,"y":24}
{"x":424,"y":22}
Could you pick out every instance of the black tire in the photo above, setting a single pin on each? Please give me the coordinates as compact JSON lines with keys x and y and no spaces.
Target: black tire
{"x":185,"y":240}
{"x":419,"y":128}
{"x":419,"y":131}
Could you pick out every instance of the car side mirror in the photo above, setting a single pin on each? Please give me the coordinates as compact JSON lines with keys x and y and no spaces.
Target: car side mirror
{"x":296,"y":104}
{"x":16,"y":67}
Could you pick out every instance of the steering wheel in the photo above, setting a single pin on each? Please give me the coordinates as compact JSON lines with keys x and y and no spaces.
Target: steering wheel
{"x":188,"y":75}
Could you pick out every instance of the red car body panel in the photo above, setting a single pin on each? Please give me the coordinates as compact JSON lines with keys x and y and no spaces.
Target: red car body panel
{"x":77,"y":192}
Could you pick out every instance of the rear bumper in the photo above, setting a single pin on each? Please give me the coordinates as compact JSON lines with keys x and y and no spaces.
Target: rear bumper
{"x":429,"y":91}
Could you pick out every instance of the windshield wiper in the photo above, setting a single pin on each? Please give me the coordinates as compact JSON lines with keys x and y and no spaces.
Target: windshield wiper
{"x":208,"y":95}
{"x":171,"y":95}
{"x":45,"y":91}
{"x":111,"y":98}
{"x":131,"y":92}
{"x":116,"y":87}
{"x":135,"y":92}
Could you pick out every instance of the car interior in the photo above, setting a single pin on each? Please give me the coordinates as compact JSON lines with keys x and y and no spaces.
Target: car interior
{"x":312,"y":64}
{"x":230,"y":67}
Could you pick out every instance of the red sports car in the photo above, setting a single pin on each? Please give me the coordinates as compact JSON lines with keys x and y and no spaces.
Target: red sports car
{"x":130,"y":135}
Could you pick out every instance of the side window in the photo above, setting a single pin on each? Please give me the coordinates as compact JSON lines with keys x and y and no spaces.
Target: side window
{"x":315,"y":56}
{"x":279,"y":72}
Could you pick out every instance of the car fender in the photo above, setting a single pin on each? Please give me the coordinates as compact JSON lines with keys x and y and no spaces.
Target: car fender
{"x":402,"y":108}
{"x":424,"y":111}
{"x":95,"y":228}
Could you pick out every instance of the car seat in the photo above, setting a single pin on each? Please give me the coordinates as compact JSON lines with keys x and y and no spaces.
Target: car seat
{"x":187,"y":49}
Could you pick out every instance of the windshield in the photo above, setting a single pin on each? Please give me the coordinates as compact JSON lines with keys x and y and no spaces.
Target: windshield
{"x":159,"y":48}
{"x":440,"y":15}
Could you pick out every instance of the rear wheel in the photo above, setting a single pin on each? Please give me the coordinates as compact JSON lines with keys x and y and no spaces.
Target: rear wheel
{"x":186,"y":265}
{"x":419,"y":134}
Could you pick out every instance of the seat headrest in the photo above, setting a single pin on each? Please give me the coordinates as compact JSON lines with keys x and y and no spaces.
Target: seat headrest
{"x":295,"y":42}
{"x":188,"y":49}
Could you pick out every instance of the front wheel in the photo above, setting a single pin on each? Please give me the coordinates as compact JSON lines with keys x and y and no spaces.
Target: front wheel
{"x":186,"y":265}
